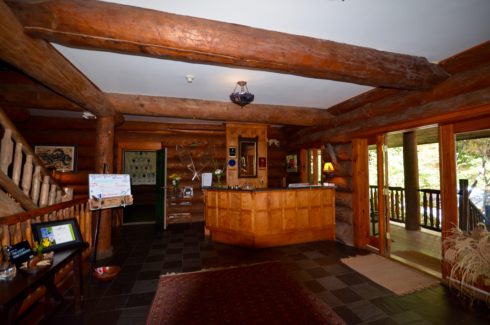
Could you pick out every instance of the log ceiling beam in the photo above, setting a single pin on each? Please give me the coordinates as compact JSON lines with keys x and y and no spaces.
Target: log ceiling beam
{"x":472,"y":104}
{"x":215,"y":110}
{"x":35,"y":97}
{"x":473,"y":58}
{"x":19,"y":91}
{"x":39,"y":60}
{"x":367,"y":115}
{"x":113,"y":27}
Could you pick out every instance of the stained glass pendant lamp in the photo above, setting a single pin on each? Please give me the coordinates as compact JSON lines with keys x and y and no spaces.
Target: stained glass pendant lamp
{"x":241,"y":97}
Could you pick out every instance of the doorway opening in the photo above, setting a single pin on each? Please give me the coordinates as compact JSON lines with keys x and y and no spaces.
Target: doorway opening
{"x":142,"y":168}
{"x":411,"y":189}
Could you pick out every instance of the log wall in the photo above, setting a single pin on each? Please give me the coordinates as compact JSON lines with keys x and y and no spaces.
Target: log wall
{"x":145,"y":136}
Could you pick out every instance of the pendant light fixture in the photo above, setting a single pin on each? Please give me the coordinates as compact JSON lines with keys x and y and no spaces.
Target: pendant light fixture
{"x":241,"y":97}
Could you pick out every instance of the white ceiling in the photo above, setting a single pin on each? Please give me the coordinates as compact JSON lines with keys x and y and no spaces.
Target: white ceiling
{"x":435,"y":29}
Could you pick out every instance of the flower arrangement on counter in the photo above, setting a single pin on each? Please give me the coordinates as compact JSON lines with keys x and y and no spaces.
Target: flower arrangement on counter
{"x":219,"y":172}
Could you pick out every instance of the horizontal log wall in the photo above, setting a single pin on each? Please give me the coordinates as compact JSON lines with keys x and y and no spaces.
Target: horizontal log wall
{"x":65,"y":132}
{"x":144,"y":136}
{"x":276,"y":156}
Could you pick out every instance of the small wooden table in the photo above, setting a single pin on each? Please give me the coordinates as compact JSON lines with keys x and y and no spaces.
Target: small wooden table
{"x":12,"y":292}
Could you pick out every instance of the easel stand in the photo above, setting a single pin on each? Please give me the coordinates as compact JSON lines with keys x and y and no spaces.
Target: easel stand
{"x":106,"y":203}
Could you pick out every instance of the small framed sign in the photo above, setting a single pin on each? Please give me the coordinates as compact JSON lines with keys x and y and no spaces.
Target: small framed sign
{"x":232,"y":151}
{"x":20,"y":253}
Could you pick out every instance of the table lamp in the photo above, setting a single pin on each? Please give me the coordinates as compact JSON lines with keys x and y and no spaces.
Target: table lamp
{"x":328,"y":171}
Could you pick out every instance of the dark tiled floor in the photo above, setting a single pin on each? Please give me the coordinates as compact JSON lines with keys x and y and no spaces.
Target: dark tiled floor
{"x":144,"y":253}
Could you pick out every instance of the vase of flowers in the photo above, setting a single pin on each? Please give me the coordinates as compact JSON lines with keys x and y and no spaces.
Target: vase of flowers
{"x":219,"y":173}
{"x":175,"y":179}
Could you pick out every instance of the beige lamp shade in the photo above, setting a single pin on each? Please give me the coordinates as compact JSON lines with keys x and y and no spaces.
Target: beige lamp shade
{"x":328,"y":167}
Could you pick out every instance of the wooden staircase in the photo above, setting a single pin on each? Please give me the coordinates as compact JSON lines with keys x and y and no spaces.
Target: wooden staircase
{"x":24,"y":183}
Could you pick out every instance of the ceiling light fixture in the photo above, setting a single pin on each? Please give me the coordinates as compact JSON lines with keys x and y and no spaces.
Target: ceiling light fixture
{"x":88,"y":115}
{"x":190,"y":78}
{"x":243,"y":96}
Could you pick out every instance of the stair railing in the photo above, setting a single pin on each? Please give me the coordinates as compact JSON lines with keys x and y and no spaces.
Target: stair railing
{"x":22,"y":174}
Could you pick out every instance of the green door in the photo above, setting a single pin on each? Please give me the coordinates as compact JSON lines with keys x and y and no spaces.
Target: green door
{"x":161,"y":189}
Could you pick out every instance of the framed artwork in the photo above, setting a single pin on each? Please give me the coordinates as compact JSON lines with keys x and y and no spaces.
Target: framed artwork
{"x":232,"y":151}
{"x":141,"y":167}
{"x":292,"y":163}
{"x":59,"y":158}
{"x":262,"y":162}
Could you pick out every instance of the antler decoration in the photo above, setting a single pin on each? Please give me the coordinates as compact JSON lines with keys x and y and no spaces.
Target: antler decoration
{"x":186,"y":159}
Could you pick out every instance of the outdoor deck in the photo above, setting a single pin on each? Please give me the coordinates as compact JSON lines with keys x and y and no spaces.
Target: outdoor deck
{"x":421,"y":249}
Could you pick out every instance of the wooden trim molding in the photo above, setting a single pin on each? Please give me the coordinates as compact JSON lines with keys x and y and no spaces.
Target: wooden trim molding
{"x":360,"y":192}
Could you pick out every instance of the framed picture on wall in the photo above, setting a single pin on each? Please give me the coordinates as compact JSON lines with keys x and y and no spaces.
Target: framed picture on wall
{"x":232,"y":151}
{"x":262,"y":162}
{"x":292,"y":163}
{"x":141,"y":167}
{"x":59,"y":158}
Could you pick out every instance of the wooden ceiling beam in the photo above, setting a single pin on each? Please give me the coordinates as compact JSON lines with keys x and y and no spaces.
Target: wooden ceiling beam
{"x":404,"y":104}
{"x":125,"y":29}
{"x":41,"y":61}
{"x":220,"y":111}
{"x":475,"y":57}
{"x":403,"y":100}
{"x":32,"y":95}
{"x":19,"y":91}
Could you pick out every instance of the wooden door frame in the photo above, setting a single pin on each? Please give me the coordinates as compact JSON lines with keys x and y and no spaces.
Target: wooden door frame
{"x":360,"y":195}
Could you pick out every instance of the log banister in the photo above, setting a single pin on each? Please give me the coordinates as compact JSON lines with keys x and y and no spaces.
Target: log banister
{"x":23,"y":216}
{"x":11,"y":130}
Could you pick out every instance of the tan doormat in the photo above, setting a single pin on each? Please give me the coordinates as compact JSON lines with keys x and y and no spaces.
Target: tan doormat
{"x":420,"y":259}
{"x":392,"y":275}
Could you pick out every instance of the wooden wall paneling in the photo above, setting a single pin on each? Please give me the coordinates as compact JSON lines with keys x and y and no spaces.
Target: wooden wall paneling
{"x":233,"y":131}
{"x":271,"y":217}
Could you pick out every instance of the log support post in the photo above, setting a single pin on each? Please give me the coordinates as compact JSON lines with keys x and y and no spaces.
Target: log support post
{"x":411,"y":173}
{"x":104,"y":157}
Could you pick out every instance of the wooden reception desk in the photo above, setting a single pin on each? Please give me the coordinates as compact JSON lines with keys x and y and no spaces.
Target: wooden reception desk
{"x":270,"y":217}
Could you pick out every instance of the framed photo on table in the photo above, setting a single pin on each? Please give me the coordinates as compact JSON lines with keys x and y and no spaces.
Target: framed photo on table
{"x":59,"y":158}
{"x":292,"y":163}
{"x":60,"y":234}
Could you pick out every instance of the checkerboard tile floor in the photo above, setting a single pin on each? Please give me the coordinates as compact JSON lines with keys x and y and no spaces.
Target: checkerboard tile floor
{"x":145,"y":253}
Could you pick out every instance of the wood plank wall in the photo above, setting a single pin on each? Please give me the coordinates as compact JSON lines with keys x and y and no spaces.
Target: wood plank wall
{"x":144,"y":136}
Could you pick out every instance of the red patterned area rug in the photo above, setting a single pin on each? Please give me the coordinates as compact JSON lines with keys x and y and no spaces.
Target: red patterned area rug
{"x":254,"y":294}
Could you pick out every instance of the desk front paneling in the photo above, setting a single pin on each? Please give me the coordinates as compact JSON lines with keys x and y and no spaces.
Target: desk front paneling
{"x":270,"y":217}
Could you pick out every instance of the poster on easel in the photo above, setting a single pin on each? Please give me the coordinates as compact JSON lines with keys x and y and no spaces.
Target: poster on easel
{"x":109,"y":191}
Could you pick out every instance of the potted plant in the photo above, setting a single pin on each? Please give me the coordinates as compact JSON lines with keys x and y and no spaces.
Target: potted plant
{"x":467,"y":257}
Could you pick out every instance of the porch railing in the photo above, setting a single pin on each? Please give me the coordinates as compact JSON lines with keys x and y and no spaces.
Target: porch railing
{"x":430,"y":203}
